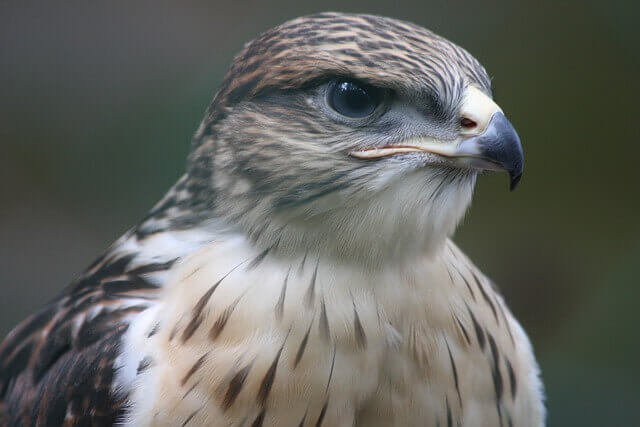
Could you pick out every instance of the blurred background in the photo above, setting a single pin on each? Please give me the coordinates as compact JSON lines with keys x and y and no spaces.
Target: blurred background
{"x":98,"y":103}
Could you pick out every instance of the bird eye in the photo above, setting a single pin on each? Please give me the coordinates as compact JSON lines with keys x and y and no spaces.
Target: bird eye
{"x":353,"y":99}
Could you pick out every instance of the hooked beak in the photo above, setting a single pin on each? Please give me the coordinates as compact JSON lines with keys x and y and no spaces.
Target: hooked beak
{"x":492,"y":144}
{"x":497,"y":148}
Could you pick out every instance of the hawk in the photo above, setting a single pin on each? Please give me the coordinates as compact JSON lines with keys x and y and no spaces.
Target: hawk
{"x":300,"y":273}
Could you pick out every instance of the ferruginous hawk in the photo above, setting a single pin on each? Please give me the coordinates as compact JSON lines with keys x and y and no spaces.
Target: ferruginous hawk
{"x":300,"y":273}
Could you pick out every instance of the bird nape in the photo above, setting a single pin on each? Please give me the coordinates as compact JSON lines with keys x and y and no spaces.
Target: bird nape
{"x":301,"y":271}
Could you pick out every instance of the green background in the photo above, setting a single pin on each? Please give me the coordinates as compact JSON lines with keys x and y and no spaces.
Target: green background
{"x":98,"y":103}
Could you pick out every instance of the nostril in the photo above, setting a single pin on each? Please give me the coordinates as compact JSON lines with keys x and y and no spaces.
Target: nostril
{"x":467,"y":123}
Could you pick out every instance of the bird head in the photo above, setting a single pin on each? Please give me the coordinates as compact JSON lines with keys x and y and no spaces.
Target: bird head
{"x":355,"y":135}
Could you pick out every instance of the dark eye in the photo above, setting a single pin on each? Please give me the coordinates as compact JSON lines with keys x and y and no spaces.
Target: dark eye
{"x":353,"y":99}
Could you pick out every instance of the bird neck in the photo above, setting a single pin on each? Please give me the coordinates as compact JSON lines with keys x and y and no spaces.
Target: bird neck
{"x":399,"y":225}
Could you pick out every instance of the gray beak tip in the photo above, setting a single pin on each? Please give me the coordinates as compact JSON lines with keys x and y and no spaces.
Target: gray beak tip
{"x":500,"y":143}
{"x":514,"y":180}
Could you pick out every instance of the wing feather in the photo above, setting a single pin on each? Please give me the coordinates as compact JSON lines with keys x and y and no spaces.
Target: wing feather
{"x":57,"y":366}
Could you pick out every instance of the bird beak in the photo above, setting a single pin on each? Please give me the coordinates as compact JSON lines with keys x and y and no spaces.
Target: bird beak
{"x":497,"y":148}
{"x":491,"y":144}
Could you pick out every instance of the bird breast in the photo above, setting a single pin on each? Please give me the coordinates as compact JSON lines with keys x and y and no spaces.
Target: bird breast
{"x":247,"y":337}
